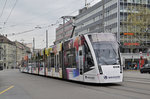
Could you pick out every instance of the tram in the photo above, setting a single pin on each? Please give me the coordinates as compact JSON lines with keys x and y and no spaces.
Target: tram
{"x":91,"y":58}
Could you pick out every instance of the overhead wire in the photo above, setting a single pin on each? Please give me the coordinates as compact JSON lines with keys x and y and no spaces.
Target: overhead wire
{"x":3,"y":9}
{"x":11,"y":12}
{"x":27,"y":31}
{"x":5,"y":22}
{"x":47,"y":13}
{"x":56,"y":23}
{"x":36,"y":28}
{"x":38,"y":15}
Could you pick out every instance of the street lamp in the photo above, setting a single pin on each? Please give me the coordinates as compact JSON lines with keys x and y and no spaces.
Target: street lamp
{"x":38,"y":27}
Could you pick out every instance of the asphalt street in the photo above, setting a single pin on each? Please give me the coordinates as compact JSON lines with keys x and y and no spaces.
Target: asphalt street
{"x":16,"y":85}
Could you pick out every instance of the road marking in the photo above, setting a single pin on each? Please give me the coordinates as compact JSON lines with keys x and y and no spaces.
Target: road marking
{"x":6,"y":90}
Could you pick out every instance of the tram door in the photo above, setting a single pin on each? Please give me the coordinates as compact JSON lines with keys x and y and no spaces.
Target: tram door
{"x":81,"y":63}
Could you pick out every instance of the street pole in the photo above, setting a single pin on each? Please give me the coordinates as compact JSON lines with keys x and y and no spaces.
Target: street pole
{"x":63,"y":28}
{"x":33,"y":44}
{"x":85,"y":3}
{"x":46,"y":38}
{"x":16,"y":58}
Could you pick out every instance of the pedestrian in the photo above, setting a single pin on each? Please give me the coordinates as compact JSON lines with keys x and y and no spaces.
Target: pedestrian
{"x":135,"y":67}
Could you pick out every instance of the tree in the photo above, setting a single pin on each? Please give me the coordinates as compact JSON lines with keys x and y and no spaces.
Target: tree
{"x":138,"y":22}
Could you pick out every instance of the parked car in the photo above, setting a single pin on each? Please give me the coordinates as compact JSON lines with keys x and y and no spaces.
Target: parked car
{"x":145,"y":68}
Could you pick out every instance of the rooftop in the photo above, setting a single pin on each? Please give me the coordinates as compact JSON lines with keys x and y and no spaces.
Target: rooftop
{"x":4,"y":39}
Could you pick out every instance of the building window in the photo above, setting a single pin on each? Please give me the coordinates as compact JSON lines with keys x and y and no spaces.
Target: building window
{"x":144,"y":1}
{"x":0,"y":55}
{"x":129,"y":1}
{"x":125,"y":1}
{"x":93,"y":19}
{"x":148,"y":1}
{"x":121,"y":0}
{"x":121,"y":7}
{"x":138,"y":1}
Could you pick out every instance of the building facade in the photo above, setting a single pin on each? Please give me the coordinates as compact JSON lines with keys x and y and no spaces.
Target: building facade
{"x":109,"y":16}
{"x":1,"y":57}
{"x":102,"y":17}
{"x":21,"y":51}
{"x":64,"y":31}
{"x":9,"y":53}
{"x":134,"y":43}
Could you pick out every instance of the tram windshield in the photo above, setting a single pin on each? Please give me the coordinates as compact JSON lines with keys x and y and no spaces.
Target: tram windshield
{"x":106,"y":50}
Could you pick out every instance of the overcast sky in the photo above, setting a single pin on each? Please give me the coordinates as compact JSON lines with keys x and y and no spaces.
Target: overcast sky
{"x":28,"y":14}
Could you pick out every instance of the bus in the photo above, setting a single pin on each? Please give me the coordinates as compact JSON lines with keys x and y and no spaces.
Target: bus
{"x":90,"y":58}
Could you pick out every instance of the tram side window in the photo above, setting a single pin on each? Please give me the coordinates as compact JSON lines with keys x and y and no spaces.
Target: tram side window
{"x":60,"y":59}
{"x":37,"y":63}
{"x":55,"y":60}
{"x":88,"y":57}
{"x":70,"y":58}
{"x":48,"y":61}
{"x":57,"y":63}
{"x":73,"y":58}
{"x":52,"y":59}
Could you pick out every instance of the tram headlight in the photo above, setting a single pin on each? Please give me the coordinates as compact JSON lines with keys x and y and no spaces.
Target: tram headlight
{"x":100,"y":69}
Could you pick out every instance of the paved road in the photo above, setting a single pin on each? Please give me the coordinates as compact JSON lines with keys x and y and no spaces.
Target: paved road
{"x":26,"y":86}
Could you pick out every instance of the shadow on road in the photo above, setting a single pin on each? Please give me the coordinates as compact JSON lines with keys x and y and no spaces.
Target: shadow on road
{"x":81,"y":83}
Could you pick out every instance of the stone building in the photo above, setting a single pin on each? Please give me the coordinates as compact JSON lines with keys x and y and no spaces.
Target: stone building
{"x":9,"y":53}
{"x":1,"y":57}
{"x":21,"y":51}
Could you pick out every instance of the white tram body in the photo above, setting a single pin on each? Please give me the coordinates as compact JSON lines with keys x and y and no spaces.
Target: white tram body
{"x":91,"y":58}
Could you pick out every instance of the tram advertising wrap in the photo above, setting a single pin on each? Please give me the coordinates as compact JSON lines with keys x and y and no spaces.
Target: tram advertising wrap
{"x":91,"y":58}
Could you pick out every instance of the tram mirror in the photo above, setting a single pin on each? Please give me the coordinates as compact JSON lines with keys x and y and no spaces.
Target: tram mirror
{"x":80,"y":52}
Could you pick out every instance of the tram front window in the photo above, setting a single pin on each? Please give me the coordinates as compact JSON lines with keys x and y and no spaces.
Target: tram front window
{"x":106,"y":53}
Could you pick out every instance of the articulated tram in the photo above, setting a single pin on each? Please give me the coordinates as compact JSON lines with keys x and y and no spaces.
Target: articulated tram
{"x":91,"y":58}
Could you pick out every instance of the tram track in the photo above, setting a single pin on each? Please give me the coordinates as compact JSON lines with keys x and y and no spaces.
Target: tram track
{"x":137,"y":80}
{"x":112,"y":89}
{"x":134,"y":84}
{"x":136,"y":88}
{"x":132,"y":89}
{"x":125,"y":88}
{"x":118,"y":87}
{"x":121,"y":87}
